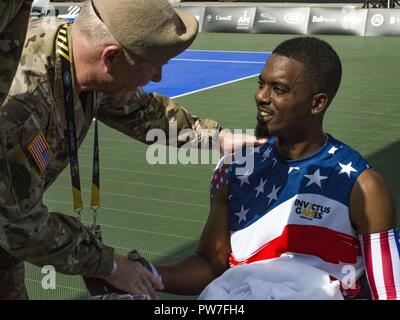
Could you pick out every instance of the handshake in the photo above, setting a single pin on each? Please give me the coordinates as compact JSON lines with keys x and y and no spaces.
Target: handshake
{"x":133,"y":278}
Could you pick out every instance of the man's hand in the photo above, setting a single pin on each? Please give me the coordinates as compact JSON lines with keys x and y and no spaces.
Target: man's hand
{"x":231,"y":142}
{"x":132,"y":277}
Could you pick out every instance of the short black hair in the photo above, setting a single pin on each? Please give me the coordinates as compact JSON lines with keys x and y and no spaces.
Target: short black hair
{"x":320,"y":60}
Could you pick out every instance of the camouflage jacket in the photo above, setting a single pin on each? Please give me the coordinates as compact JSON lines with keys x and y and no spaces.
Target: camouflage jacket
{"x":34,"y":112}
{"x":14,"y":18}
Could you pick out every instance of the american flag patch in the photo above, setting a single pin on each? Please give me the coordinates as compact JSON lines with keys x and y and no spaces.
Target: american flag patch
{"x":40,"y":151}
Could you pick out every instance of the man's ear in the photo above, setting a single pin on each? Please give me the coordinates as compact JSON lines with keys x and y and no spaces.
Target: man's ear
{"x":109,"y":56}
{"x":320,"y":103}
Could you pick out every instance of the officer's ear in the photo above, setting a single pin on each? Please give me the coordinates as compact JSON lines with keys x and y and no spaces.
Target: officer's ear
{"x":319,"y":103}
{"x":109,"y":57}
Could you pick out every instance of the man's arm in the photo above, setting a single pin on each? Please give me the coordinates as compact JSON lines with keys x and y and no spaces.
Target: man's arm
{"x":373,"y":214}
{"x":192,"y":274}
{"x":146,"y":111}
{"x":30,"y":233}
{"x":372,"y":207}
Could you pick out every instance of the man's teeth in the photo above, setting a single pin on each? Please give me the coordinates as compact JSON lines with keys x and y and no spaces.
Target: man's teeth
{"x":264,"y":114}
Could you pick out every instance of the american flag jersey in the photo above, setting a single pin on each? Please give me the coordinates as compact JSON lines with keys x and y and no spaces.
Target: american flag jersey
{"x":298,"y":208}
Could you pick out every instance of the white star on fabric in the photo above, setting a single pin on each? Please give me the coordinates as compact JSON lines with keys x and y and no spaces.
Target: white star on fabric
{"x":275,"y":161}
{"x":243,"y":179}
{"x":333,"y":150}
{"x":260,"y":188}
{"x":267,"y":153}
{"x":273,"y":195}
{"x":348,"y":169}
{"x":293,"y":168}
{"x":315,"y":178}
{"x":257,"y":149}
{"x":242,"y":214}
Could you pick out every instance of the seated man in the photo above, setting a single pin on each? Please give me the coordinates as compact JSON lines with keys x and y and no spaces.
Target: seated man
{"x":310,"y":199}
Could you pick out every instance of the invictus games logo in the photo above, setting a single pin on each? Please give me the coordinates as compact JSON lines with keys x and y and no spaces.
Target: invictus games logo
{"x":309,"y":210}
{"x":67,"y":78}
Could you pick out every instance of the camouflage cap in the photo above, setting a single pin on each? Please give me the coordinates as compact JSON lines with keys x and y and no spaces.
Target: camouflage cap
{"x":151,"y":29}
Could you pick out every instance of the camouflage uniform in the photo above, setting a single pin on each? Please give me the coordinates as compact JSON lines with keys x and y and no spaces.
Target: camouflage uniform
{"x":14,"y":17}
{"x":28,"y":232}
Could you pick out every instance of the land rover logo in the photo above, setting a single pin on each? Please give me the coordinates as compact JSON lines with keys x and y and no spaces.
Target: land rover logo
{"x":294,"y":18}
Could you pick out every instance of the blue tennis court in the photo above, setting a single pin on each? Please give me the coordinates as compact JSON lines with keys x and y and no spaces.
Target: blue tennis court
{"x":197,"y":70}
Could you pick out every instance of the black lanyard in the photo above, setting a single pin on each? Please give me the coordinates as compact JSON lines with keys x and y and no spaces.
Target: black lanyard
{"x":63,"y":50}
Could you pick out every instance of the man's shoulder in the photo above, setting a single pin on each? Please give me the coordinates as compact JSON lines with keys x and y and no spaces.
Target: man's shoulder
{"x":37,"y":60}
{"x":40,"y":39}
{"x":345,"y":149}
{"x":347,"y":157}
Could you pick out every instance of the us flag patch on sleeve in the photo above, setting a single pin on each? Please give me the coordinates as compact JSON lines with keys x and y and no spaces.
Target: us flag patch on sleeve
{"x":40,"y":151}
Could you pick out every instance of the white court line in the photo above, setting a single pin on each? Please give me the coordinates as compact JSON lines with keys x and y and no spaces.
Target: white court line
{"x":125,"y":195}
{"x":199,"y":50}
{"x":135,"y":212}
{"x":219,"y":61}
{"x":215,"y":86}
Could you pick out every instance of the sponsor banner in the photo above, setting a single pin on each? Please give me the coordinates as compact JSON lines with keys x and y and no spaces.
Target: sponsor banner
{"x":226,"y":19}
{"x":383,"y":22}
{"x":281,"y":20}
{"x":305,"y":1}
{"x":340,"y":21}
{"x":198,"y":12}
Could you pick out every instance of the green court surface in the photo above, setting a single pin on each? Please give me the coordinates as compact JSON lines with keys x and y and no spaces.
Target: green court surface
{"x":161,"y":209}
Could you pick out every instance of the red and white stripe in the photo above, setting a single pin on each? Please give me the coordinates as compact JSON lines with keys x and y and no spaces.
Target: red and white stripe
{"x":329,"y":243}
{"x":382,"y":261}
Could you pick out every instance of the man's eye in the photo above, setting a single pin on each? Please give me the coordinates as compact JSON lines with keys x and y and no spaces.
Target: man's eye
{"x":260,"y":84}
{"x":280,"y":90}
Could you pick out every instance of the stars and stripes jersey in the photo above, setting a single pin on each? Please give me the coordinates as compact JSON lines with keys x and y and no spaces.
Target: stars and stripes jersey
{"x":298,"y":208}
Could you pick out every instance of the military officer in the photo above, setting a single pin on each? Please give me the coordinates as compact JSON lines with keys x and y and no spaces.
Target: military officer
{"x":94,"y":67}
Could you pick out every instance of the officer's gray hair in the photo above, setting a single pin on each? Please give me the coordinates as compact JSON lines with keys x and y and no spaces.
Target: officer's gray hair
{"x":89,"y":24}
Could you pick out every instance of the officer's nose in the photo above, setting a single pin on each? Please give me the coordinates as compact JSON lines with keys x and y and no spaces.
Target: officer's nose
{"x":157,"y":76}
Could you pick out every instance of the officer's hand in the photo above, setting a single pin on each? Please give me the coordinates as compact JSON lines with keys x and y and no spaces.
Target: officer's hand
{"x":230,"y":142}
{"x":130,"y":276}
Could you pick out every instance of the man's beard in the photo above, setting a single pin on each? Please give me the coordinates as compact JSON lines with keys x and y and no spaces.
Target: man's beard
{"x":262,"y":130}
